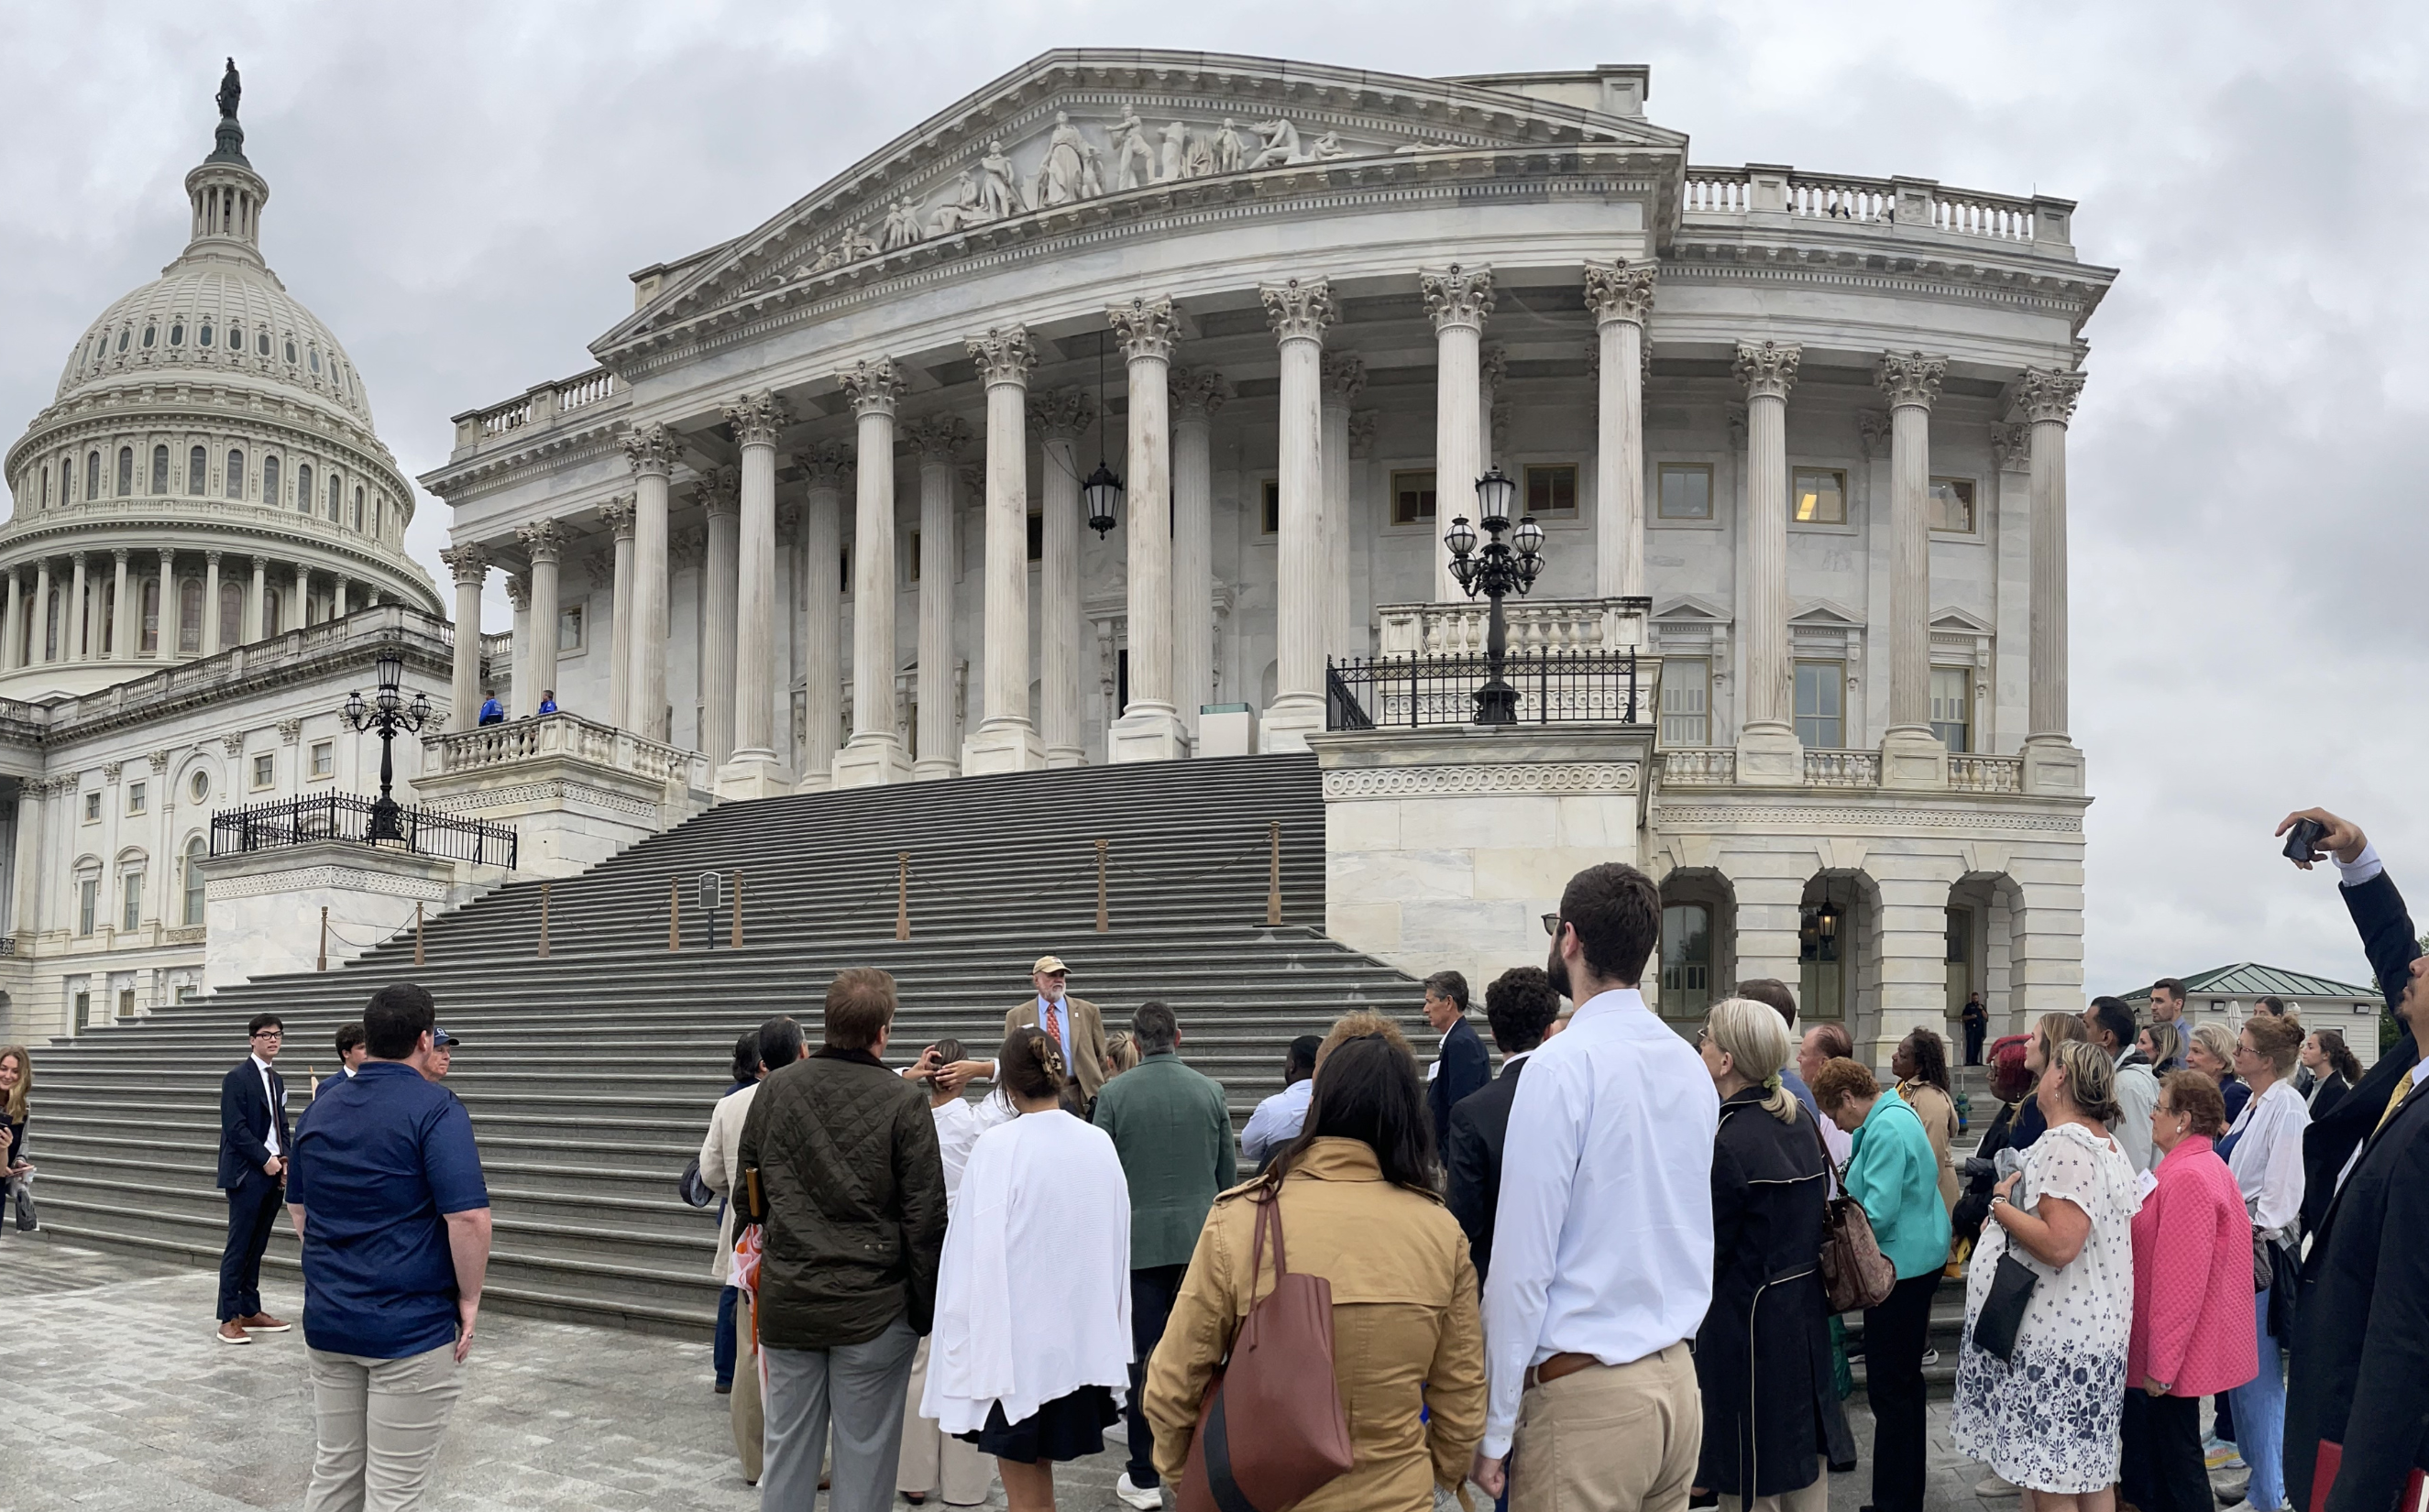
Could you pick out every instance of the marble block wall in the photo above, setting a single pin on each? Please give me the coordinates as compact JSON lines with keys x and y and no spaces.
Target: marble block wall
{"x":262,"y":909}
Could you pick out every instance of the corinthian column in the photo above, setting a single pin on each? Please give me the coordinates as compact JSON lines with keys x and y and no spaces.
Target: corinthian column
{"x":652,"y":449}
{"x":1458,"y":298}
{"x":545,"y":541}
{"x":1345,"y":379}
{"x":1619,"y":298}
{"x":938,"y":440}
{"x":1150,"y":729}
{"x":719,"y":493}
{"x":825,"y":464}
{"x":211,"y":645}
{"x":1005,"y":740}
{"x":2052,"y":764}
{"x":122,"y":635}
{"x":1768,"y":752}
{"x":1197,"y":394}
{"x":1298,"y":311}
{"x":1911,"y":755}
{"x":618,"y":517}
{"x":470,"y":566}
{"x":1064,"y":647}
{"x":38,"y":649}
{"x":874,"y":755}
{"x":754,"y":770}
{"x":255,"y":606}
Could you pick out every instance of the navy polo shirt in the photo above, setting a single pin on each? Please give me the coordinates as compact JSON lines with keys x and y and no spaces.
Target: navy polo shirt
{"x":380,"y":1159}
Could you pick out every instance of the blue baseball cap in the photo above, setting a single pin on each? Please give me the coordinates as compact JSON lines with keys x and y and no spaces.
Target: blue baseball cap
{"x":440,"y":1040}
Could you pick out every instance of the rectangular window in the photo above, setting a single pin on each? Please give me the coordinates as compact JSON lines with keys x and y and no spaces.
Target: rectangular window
{"x":92,"y":808}
{"x":1951,"y":707}
{"x":1686,"y":961}
{"x":1819,"y":497}
{"x":1413,"y":496}
{"x":1036,"y":535}
{"x":265,"y":770}
{"x":1686,"y":700}
{"x":568,"y":628}
{"x":325,"y":759}
{"x":136,"y":796}
{"x":1269,"y":508}
{"x":911,"y":557}
{"x":126,"y":999}
{"x":1951,"y":506}
{"x":130,"y":915}
{"x":1686,"y":491}
{"x":87,"y":903}
{"x":84,"y":1008}
{"x":1551,"y":490}
{"x":1821,"y":705}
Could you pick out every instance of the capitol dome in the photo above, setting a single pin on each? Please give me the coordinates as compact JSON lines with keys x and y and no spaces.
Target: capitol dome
{"x":208,"y":474}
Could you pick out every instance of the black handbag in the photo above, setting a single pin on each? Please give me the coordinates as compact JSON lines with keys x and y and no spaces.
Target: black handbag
{"x":2003,"y":1311}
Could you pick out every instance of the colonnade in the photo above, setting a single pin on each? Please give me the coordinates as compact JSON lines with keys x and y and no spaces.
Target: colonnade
{"x":124,"y":604}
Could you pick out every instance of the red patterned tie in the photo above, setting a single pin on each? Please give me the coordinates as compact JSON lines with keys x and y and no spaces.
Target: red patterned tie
{"x":1053,"y":1028}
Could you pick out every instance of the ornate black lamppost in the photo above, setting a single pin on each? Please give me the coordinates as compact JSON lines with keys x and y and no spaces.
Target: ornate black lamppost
{"x":1494,"y":569}
{"x":388,"y":713}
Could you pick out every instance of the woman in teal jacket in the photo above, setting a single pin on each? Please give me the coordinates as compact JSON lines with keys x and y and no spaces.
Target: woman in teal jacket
{"x":1895,"y":1177}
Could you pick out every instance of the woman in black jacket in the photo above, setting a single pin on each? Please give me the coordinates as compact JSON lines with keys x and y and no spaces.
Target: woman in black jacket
{"x":2010,"y":1083}
{"x":1762,"y":1356}
{"x":2334,"y":1068}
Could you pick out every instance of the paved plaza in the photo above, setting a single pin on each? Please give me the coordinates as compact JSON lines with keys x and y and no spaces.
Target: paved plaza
{"x":117,"y":1398}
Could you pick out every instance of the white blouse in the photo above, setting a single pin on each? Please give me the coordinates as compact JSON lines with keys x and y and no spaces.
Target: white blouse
{"x":2268,"y":1155}
{"x":957,"y":1131}
{"x":1034,"y":1295}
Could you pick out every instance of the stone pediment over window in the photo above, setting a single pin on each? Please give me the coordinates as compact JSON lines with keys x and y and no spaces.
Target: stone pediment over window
{"x":1948,"y":621}
{"x":1077,"y":136}
{"x":1821,"y":614}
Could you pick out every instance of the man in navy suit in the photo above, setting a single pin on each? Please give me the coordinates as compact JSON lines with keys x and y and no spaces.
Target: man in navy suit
{"x":1461,"y":1067}
{"x":253,"y":1168}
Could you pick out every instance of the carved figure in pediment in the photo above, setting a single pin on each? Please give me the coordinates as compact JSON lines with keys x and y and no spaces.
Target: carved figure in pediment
{"x":1197,"y":154}
{"x":857,"y":244}
{"x":999,"y":192}
{"x":1062,"y":172}
{"x":1281,"y":145}
{"x":1228,"y":153}
{"x":1133,"y":160}
{"x":830,"y":258}
{"x":902,"y":225}
{"x":1176,"y":152}
{"x":1327,"y":148}
{"x":960,"y":211}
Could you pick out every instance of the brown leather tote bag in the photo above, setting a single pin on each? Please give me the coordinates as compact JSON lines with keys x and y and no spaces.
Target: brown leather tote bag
{"x":1271,"y":1430}
{"x":1854,"y":1274}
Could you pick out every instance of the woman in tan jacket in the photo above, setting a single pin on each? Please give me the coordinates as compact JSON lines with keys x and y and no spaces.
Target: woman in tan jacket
{"x":1919,"y":1063}
{"x":1359,"y":1209}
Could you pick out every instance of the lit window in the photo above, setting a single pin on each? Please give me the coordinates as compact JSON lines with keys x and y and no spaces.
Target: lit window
{"x":1951,"y":507}
{"x":1685,"y":491}
{"x":1552,"y":490}
{"x":1686,"y":961}
{"x":1951,"y":707}
{"x":325,"y":759}
{"x":1819,"y":497}
{"x":1821,"y":705}
{"x":1686,"y":702}
{"x":568,"y":628}
{"x":1413,"y":496}
{"x":130,"y":915}
{"x":87,"y":903}
{"x":1269,"y":516}
{"x":265,"y":770}
{"x":135,"y":797}
{"x":92,"y":808}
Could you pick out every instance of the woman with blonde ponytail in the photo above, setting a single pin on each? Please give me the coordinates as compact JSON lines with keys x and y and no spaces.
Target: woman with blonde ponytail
{"x":1762,"y":1356}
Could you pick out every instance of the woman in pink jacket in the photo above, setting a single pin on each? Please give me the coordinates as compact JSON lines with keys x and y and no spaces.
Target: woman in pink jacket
{"x":2192,"y":1290}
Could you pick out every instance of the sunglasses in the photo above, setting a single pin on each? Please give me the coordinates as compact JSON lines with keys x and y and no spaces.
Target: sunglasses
{"x":1552,"y":925}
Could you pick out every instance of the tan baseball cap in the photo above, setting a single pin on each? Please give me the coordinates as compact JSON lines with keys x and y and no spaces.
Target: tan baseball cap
{"x":1049,"y":966}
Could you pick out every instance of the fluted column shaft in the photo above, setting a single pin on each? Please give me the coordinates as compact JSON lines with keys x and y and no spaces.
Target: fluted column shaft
{"x":2049,"y":399}
{"x":1619,"y":298}
{"x":39,"y":650}
{"x":11,"y":653}
{"x":1345,"y":379}
{"x":1147,"y":333}
{"x":211,"y":645}
{"x":1911,"y":381}
{"x":1197,"y":394}
{"x":1458,"y":300}
{"x":939,"y":440}
{"x":874,"y":755}
{"x":164,"y":633}
{"x":618,"y":517}
{"x":751,"y":690}
{"x":826,"y":465}
{"x":720,"y":626}
{"x":123,"y":637}
{"x":652,"y":449}
{"x":1768,"y":370}
{"x":259,"y":600}
{"x":1005,"y":740}
{"x":1298,"y":311}
{"x":1064,"y":645}
{"x":545,"y":541}
{"x":471,"y":566}
{"x":303,"y":596}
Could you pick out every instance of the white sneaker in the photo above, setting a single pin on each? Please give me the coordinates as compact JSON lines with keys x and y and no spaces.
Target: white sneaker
{"x":1146,"y":1498}
{"x":1995,"y":1484}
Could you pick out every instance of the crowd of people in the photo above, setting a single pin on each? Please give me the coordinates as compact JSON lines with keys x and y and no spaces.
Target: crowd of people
{"x":1614,"y":1275}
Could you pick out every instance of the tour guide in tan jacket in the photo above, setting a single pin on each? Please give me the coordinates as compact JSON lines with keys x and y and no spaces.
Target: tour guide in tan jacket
{"x":1076,"y":1028}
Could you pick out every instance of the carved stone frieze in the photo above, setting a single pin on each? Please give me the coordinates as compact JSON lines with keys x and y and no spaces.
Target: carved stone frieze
{"x":1443,"y":781}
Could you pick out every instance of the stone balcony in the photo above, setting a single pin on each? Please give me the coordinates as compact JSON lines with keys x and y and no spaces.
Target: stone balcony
{"x":1535,"y":625}
{"x":1717,"y":766}
{"x":576,"y":792}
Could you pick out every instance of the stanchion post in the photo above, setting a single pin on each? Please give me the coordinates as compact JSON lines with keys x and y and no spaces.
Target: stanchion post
{"x":674,"y":914}
{"x":417,"y":934}
{"x":543,"y":920}
{"x":736,"y":939}
{"x":324,"y":937}
{"x":903,"y":896}
{"x":1103,"y":921}
{"x":1274,"y":881}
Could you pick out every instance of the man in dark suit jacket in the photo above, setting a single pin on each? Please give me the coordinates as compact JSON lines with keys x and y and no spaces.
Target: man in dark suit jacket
{"x":253,"y":1168}
{"x":1462,"y":1066}
{"x":1520,"y":1005}
{"x":2360,"y":1371}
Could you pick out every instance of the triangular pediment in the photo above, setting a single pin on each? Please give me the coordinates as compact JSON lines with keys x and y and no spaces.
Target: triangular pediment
{"x":1823,"y":614}
{"x":1689,"y":609}
{"x":1956,"y":621}
{"x":1082,"y":131}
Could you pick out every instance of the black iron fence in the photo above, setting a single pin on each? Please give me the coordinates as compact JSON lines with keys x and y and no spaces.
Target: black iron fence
{"x":1554,"y":687}
{"x":347,"y":817}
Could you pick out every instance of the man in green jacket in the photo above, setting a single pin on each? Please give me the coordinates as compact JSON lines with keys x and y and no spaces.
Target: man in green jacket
{"x":1173,"y":1131}
{"x":849,"y":1192}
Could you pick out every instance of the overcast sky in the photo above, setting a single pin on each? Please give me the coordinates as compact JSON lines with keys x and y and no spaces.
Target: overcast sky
{"x":459,"y":190}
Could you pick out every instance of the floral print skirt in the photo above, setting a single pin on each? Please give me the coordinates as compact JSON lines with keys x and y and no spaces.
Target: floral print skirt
{"x":2046,"y":1419}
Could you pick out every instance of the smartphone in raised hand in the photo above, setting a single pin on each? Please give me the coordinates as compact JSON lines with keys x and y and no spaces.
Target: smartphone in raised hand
{"x":2302,"y":841}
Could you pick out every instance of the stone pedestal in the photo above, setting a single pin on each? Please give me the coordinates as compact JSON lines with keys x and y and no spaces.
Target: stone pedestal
{"x":575,"y":791}
{"x":263,"y":908}
{"x":871,"y":761}
{"x":1770,"y":756}
{"x":2053,"y":767}
{"x":1006,"y":746}
{"x":1151,"y":732}
{"x":1914,"y":760}
{"x":1227,"y":729}
{"x":752,"y":775}
{"x":1290,"y":722}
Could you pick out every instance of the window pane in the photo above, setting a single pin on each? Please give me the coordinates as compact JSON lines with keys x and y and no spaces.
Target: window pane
{"x":1552,"y":490}
{"x":197,"y":463}
{"x":159,"y":471}
{"x":1686,"y":961}
{"x":1819,"y":497}
{"x":1686,"y":700}
{"x":88,"y":900}
{"x":194,"y":854}
{"x":1951,"y":506}
{"x":1686,"y":491}
{"x":1820,"y":693}
{"x":1951,"y":707}
{"x":131,"y":913}
{"x":568,"y":629}
{"x":1413,"y":496}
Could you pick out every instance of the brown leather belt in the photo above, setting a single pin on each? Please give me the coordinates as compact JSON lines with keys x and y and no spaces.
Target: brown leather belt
{"x":1558,"y":1366}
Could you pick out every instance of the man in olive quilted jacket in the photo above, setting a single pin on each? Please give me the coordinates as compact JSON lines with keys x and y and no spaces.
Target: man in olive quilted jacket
{"x":852,"y":1196}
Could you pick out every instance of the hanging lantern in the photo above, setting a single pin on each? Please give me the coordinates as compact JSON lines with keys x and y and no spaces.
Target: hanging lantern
{"x":1495,"y":493}
{"x":1102,"y":497}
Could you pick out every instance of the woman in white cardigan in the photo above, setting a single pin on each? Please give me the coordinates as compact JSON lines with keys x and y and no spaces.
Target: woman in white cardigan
{"x":1030,"y":1354}
{"x":934,"y":1463}
{"x":2264,"y":1148}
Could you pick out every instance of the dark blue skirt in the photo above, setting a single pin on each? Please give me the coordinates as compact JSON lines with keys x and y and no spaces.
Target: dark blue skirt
{"x":1069,"y":1427}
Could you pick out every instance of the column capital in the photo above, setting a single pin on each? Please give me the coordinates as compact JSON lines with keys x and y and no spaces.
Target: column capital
{"x":1910,"y":378}
{"x":687,"y":547}
{"x":1620,"y":291}
{"x":261,"y":563}
{"x":616,"y":514}
{"x":1005,"y":355}
{"x":2048,"y":394}
{"x":719,"y":490}
{"x":2011,"y":446}
{"x":1456,"y":295}
{"x":211,"y":558}
{"x":1299,"y":309}
{"x":519,"y":591}
{"x":1146,"y":328}
{"x":652,"y":448}
{"x":118,"y":554}
{"x":469,"y":564}
{"x":544,"y":539}
{"x":1063,"y":413}
{"x":601,"y":567}
{"x":824,"y":464}
{"x":1198,"y":393}
{"x":1767,"y":369}
{"x":757,"y":417}
{"x":938,"y":437}
{"x":873,"y":385}
{"x":1344,"y":377}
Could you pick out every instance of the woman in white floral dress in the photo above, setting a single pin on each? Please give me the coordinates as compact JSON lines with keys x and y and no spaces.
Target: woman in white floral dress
{"x":2047,"y":1417}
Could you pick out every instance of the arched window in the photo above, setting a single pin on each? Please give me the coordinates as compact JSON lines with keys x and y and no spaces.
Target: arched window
{"x":177,"y":334}
{"x":159,"y":472}
{"x":358,"y":506}
{"x":150,"y":335}
{"x":46,"y":485}
{"x":235,"y":339}
{"x":189,"y":617}
{"x":316,"y":359}
{"x":51,"y":628}
{"x":304,"y":487}
{"x":126,"y":471}
{"x":93,"y":474}
{"x":270,"y":609}
{"x":270,"y":491}
{"x":236,"y":472}
{"x":149,"y":633}
{"x":379,"y":524}
{"x":261,"y":343}
{"x":198,"y":462}
{"x":336,"y":500}
{"x":124,"y":336}
{"x":196,"y":851}
{"x":231,"y":615}
{"x":205,"y":338}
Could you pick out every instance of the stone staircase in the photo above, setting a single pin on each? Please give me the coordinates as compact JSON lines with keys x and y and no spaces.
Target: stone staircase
{"x":590,"y":1072}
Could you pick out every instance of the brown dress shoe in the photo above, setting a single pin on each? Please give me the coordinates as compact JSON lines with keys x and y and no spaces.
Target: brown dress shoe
{"x":233,"y":1332}
{"x":262,"y":1322}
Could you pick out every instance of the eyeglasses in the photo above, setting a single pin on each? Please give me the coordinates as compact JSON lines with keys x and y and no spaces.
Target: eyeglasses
{"x":1703,"y":1038}
{"x":271,"y":1034}
{"x":1552,"y":925}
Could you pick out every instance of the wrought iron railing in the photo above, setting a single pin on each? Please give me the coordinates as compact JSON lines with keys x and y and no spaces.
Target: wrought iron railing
{"x":346,"y":818}
{"x":1554,"y":687}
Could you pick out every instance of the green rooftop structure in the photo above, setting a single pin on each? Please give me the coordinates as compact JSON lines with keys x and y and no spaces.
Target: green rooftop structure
{"x":2229,"y":992}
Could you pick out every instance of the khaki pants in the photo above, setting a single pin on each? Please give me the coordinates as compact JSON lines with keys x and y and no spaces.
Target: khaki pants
{"x":1611,"y":1438}
{"x":1813,"y":1498}
{"x":933,"y":1460}
{"x":743,"y":1403}
{"x":380,"y":1422}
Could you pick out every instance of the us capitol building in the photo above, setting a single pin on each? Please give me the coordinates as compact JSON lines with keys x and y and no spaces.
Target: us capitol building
{"x":1118,"y":412}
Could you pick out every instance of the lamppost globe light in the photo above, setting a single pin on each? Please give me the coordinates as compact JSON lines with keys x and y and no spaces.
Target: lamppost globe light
{"x":1461,"y":537}
{"x":1530,"y":539}
{"x":1102,"y":494}
{"x":355,"y":711}
{"x":1495,"y":493}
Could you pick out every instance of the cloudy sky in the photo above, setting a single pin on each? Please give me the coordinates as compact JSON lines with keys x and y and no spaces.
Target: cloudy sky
{"x":458,"y":189}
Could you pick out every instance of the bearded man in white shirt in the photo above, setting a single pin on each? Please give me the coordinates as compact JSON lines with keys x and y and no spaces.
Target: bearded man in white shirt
{"x":1602,"y":1246}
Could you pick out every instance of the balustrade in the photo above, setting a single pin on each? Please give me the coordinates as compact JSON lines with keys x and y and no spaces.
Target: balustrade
{"x":1534,"y":625}
{"x":489,"y":747}
{"x":1986,"y":774}
{"x":1700,"y":767}
{"x":1843,"y":768}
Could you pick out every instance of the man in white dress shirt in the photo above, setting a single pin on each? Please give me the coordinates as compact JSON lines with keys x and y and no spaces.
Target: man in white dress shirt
{"x":1602,"y":1248}
{"x":1278,"y":1119}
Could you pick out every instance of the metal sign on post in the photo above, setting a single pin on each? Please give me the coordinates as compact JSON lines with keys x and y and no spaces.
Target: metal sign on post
{"x":712,"y":894}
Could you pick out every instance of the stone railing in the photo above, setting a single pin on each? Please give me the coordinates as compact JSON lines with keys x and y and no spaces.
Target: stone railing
{"x":154,"y":511}
{"x":489,"y":747}
{"x":1843,"y":768}
{"x":1535,"y":625}
{"x":536,"y":406}
{"x":1918,"y":202}
{"x":1700,"y":767}
{"x":1986,"y":774}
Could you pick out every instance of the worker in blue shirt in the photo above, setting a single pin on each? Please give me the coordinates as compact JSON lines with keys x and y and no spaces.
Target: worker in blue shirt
{"x":492,"y":711}
{"x":548,"y":701}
